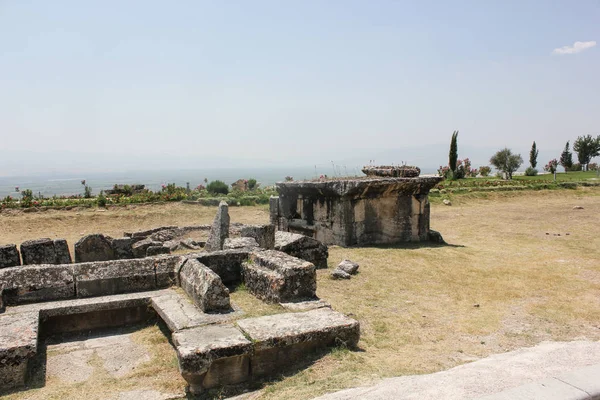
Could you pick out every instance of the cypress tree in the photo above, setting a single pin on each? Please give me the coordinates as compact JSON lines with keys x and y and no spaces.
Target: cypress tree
{"x":453,"y":156}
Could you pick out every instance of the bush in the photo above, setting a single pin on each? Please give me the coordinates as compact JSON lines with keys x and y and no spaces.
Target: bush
{"x":251,"y":184}
{"x":87,"y":192}
{"x":484,"y":170}
{"x":102,"y":199}
{"x":576,"y":167}
{"x":217,"y":187}
{"x":531,"y":171}
{"x":593,"y":167}
{"x":26,"y":198}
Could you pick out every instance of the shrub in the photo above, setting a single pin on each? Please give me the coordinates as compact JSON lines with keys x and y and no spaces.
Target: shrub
{"x":530,"y":171}
{"x":551,"y":166}
{"x":507,"y":162}
{"x":26,"y":198}
{"x":251,"y":184}
{"x":102,"y":199}
{"x":576,"y":167}
{"x":593,"y":167}
{"x":217,"y":187}
{"x":484,"y":170}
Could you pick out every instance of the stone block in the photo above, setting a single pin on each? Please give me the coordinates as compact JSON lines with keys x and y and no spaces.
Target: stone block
{"x":276,"y":277}
{"x":274,"y":210}
{"x":204,"y":287}
{"x":213,"y":355}
{"x":32,"y":284}
{"x":240,"y":243}
{"x":219,"y":230}
{"x":18,"y":345}
{"x":139,"y":248}
{"x":104,"y":278}
{"x":226,"y":263}
{"x":157,"y":250}
{"x":165,"y":268}
{"x":348,"y":267}
{"x":263,"y":234}
{"x":303,"y":247}
{"x":122,"y":248}
{"x":39,"y":251}
{"x":94,"y":247}
{"x":61,"y":249}
{"x":9,"y":256}
{"x":281,"y":340}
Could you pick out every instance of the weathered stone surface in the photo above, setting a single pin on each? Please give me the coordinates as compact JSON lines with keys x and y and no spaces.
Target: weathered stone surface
{"x":394,"y":171}
{"x":166,"y":234}
{"x":122,"y":248}
{"x":144,"y":234}
{"x":37,"y":283}
{"x":157,"y":250}
{"x":191,"y":244}
{"x":226,"y":263}
{"x":340,"y":274}
{"x":113,"y":277}
{"x":179,"y":313}
{"x":274,"y":211}
{"x":18,"y":344}
{"x":139,"y":248}
{"x":240,"y":243}
{"x":9,"y":256}
{"x":220,"y":229}
{"x":263,"y":234}
{"x":276,"y":277}
{"x":204,"y":287}
{"x":94,"y":247}
{"x":61,"y":249}
{"x":305,"y":305}
{"x":348,"y":267}
{"x":165,"y":268}
{"x":39,"y":251}
{"x":359,"y":211}
{"x":212,"y":355}
{"x":281,"y":340}
{"x":302,"y":246}
{"x":436,"y":237}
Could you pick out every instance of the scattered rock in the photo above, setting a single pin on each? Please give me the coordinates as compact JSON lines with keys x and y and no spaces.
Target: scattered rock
{"x":447,"y":202}
{"x":139,"y":248}
{"x":578,"y":208}
{"x":240,"y":243}
{"x":348,"y":267}
{"x":436,"y":237}
{"x":339,"y":274}
{"x":191,"y":244}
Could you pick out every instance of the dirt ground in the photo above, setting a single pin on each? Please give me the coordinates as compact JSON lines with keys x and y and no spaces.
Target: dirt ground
{"x":520,"y":268}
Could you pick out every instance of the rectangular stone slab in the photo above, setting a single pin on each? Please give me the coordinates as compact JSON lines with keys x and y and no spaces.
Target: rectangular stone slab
{"x":37,"y":283}
{"x":212,"y":355}
{"x":102,"y":278}
{"x":18,"y":344}
{"x":283,"y":339}
{"x":204,"y":287}
{"x":225,"y":263}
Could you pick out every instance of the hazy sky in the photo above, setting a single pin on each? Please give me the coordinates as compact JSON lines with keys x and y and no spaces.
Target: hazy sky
{"x":128,"y":84}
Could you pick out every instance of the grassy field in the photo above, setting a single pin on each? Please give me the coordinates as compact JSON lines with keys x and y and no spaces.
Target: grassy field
{"x":561,"y":176}
{"x":521,"y":268}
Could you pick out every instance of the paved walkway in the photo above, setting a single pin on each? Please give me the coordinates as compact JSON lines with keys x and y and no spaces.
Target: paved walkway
{"x":548,"y":371}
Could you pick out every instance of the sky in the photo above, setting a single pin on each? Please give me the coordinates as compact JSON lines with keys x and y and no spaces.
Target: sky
{"x":111,"y":85}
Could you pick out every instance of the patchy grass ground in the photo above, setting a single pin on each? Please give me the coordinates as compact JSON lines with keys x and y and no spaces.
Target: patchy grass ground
{"x":522,"y":267}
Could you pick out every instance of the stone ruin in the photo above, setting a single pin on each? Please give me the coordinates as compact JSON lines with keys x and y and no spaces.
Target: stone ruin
{"x":214,"y":343}
{"x":388,"y":206}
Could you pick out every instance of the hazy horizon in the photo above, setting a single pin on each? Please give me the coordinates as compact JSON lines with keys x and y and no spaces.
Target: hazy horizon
{"x":107,"y":87}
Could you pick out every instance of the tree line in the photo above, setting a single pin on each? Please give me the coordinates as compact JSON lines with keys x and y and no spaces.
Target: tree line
{"x":505,"y":161}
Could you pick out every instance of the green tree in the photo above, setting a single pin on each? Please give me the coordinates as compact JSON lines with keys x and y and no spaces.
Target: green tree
{"x":453,"y":155}
{"x":217,"y":187}
{"x":507,"y":162}
{"x":251,"y":184}
{"x":587,"y":148}
{"x":533,"y":155}
{"x":566,"y":158}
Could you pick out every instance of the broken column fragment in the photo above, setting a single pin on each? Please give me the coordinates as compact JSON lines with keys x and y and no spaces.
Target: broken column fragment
{"x":219,"y":230}
{"x":303,"y":247}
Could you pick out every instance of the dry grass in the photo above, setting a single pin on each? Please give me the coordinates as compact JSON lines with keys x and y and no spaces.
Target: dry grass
{"x":503,"y":284}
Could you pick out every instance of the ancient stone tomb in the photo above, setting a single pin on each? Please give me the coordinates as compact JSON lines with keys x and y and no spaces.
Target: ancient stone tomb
{"x":388,"y":206}
{"x":214,"y":343}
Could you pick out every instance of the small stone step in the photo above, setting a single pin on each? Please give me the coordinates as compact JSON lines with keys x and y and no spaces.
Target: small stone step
{"x":18,"y":344}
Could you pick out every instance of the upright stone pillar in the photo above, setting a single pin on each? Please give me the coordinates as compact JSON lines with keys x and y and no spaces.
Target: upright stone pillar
{"x":219,"y":230}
